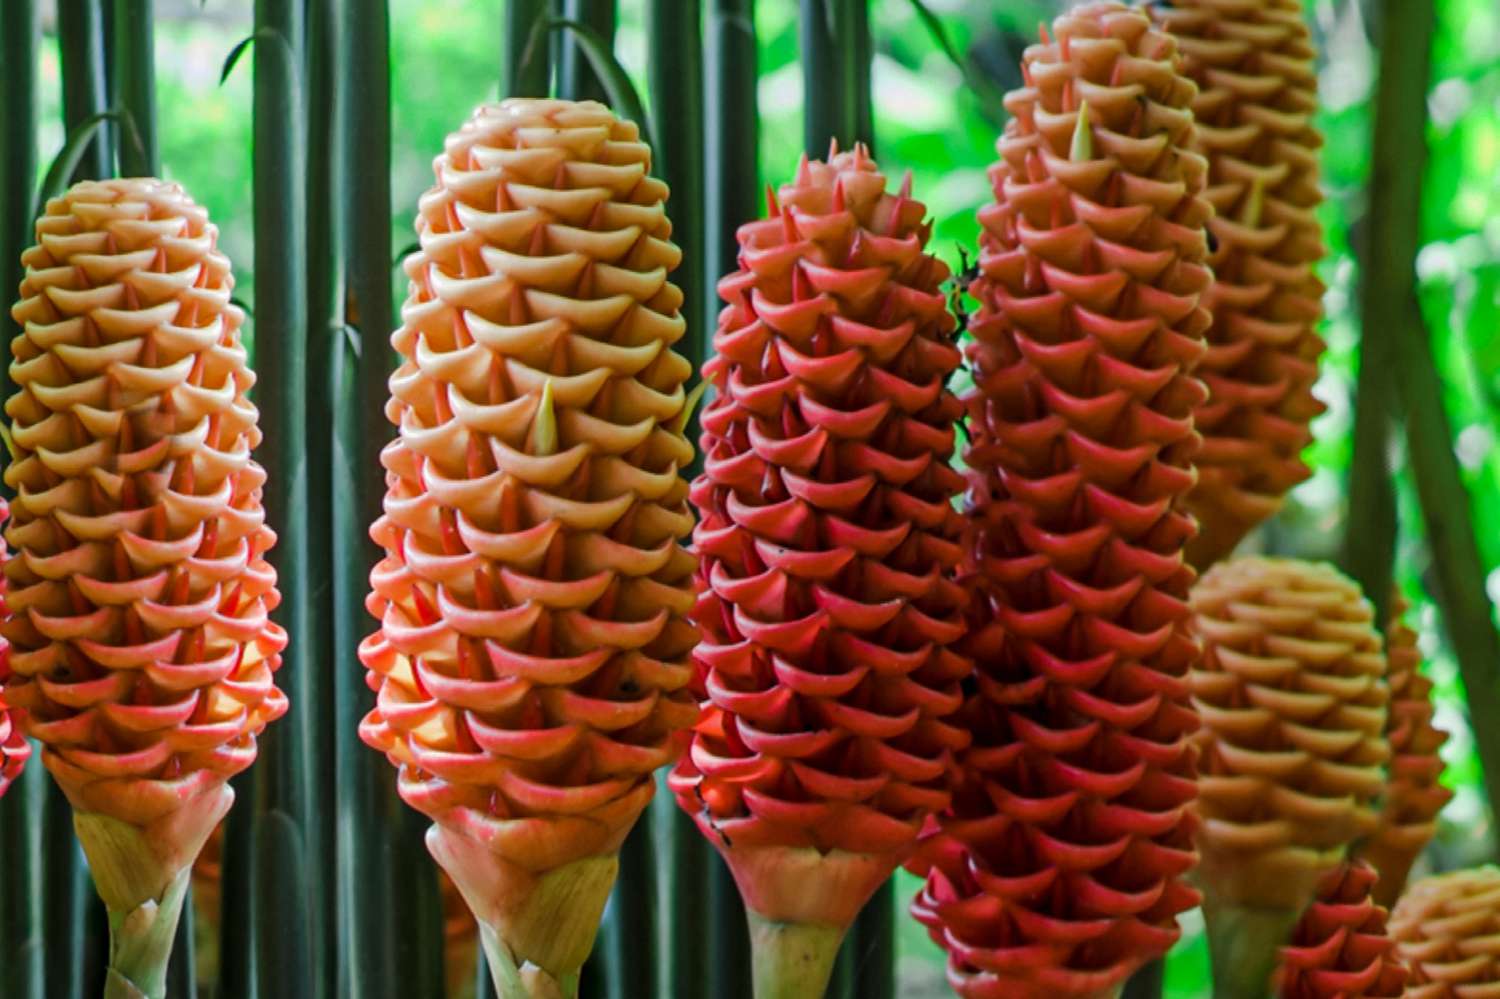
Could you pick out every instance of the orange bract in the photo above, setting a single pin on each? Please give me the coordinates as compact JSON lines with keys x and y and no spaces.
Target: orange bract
{"x":142,"y":652}
{"x":14,"y":749}
{"x":1293,"y":697}
{"x":531,"y":663}
{"x":1447,"y":930}
{"x":1060,"y":867}
{"x":1253,"y":60}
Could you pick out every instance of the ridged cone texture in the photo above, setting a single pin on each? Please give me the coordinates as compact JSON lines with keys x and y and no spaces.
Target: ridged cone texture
{"x":1253,"y":61}
{"x":1447,"y":930}
{"x":142,"y":651}
{"x":532,"y":660}
{"x":1060,"y":866}
{"x":1341,"y":949}
{"x":14,"y":749}
{"x":1293,"y":697}
{"x":828,"y":534}
{"x":1413,"y":794}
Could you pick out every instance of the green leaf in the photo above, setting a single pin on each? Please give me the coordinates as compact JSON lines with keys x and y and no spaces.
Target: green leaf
{"x":622,"y":94}
{"x":68,"y":157}
{"x":260,"y":34}
{"x":939,"y":34}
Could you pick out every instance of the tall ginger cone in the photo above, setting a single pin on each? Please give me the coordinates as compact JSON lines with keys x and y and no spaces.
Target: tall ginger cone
{"x":141,"y":648}
{"x":1292,"y":693}
{"x":1414,"y":794}
{"x":14,"y":749}
{"x":1254,"y":63}
{"x":532,"y":660}
{"x":1447,"y":930}
{"x":1340,"y":948}
{"x":1060,"y":867}
{"x":829,"y":542}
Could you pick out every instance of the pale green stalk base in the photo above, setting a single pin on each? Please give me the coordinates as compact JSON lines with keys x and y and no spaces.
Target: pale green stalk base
{"x":792,"y":960}
{"x":1244,"y":945}
{"x":525,"y":981}
{"x":140,"y":944}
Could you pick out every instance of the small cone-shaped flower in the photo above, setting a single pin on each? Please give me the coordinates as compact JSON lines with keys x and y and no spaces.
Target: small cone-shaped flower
{"x":142,"y":650}
{"x":1447,"y":931}
{"x":1413,"y":794}
{"x":1340,"y":948}
{"x":1060,"y":868}
{"x":531,"y":663}
{"x":14,"y":749}
{"x":1253,"y":62}
{"x":1292,"y":693}
{"x":829,"y":542}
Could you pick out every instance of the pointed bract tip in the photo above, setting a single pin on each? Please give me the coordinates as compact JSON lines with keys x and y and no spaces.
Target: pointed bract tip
{"x":838,"y":195}
{"x":833,"y":148}
{"x":773,"y":205}
{"x":1255,"y":204}
{"x":544,"y":424}
{"x":1082,"y":149}
{"x":689,"y":406}
{"x":905,"y":191}
{"x":804,"y":171}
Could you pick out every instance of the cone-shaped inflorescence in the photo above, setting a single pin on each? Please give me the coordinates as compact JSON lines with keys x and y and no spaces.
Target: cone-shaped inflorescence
{"x":1253,"y":60}
{"x":1413,"y":794}
{"x":1340,"y":949}
{"x":1447,"y":930}
{"x":1060,"y":867}
{"x":1292,"y":693}
{"x":142,"y":651}
{"x":829,"y":542}
{"x":14,"y":749}
{"x":532,"y":661}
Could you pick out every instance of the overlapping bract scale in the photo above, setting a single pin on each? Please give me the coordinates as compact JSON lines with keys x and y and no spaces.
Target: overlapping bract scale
{"x":1447,"y":930}
{"x":1413,"y":794}
{"x":1293,"y":697}
{"x":1253,"y":62}
{"x":1060,"y":867}
{"x":142,"y":652}
{"x":531,"y":663}
{"x":14,"y":749}
{"x":1340,"y":949}
{"x":828,"y":535}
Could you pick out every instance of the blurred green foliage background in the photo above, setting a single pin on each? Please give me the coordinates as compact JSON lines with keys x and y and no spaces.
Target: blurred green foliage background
{"x":446,"y":59}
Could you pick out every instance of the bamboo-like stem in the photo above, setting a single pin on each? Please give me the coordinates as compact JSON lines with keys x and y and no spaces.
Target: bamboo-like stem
{"x":872,"y":947}
{"x":135,"y":86}
{"x":80,"y":38}
{"x":575,"y":76}
{"x":289,"y":904}
{"x":792,"y":960}
{"x":827,"y":115}
{"x":518,"y":79}
{"x":1400,"y":151}
{"x":63,"y":901}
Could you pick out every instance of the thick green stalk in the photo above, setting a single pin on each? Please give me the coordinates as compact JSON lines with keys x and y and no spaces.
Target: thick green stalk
{"x":872,"y":947}
{"x":21,"y":953}
{"x":793,"y":960}
{"x":518,"y":79}
{"x":67,"y":890}
{"x":1400,"y":153}
{"x":290,"y":903}
{"x":135,"y":86}
{"x":836,"y":52}
{"x":856,"y":16}
{"x":393,"y":932}
{"x":80,"y":39}
{"x":732,"y":197}
{"x":575,"y":77}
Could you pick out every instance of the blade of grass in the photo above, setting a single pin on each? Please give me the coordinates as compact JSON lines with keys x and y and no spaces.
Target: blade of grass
{"x":289,"y":903}
{"x":520,"y":77}
{"x":81,"y":139}
{"x":134,"y":85}
{"x":618,"y":92}
{"x":578,"y":77}
{"x":732,"y":198}
{"x":80,"y":39}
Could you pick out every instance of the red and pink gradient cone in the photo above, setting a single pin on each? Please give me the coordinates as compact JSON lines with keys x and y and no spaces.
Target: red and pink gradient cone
{"x":828,"y":541}
{"x":1340,"y":948}
{"x":1253,"y":61}
{"x":1413,"y":794}
{"x":532,"y":660}
{"x":1060,"y":867}
{"x":142,"y":653}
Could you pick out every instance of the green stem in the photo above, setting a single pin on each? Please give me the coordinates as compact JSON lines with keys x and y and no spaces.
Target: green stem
{"x":80,"y":38}
{"x":518,"y":79}
{"x":872,"y":946}
{"x":792,"y":960}
{"x":140,"y":943}
{"x":135,"y":86}
{"x":1244,"y":945}
{"x":575,"y":77}
{"x":521,"y":981}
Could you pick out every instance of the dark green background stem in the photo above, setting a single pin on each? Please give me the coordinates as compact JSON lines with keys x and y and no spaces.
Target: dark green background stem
{"x":80,"y":39}
{"x":135,"y":86}
{"x":516,"y":79}
{"x":575,"y":77}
